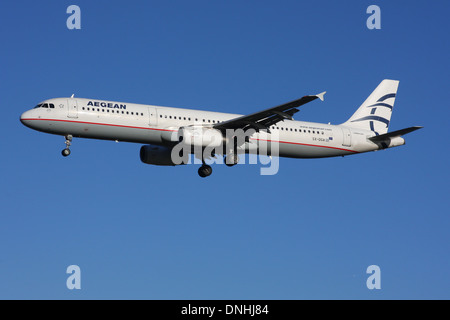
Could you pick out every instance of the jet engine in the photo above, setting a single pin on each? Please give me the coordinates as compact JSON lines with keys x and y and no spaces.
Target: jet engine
{"x":157,"y":155}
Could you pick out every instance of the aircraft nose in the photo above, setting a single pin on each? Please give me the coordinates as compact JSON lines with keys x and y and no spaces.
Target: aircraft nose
{"x":24,"y":116}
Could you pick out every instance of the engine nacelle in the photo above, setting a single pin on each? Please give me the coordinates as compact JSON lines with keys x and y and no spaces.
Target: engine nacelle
{"x":156,"y":155}
{"x":200,"y":136}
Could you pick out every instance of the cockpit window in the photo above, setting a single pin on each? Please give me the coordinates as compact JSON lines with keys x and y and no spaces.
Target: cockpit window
{"x":45,"y":105}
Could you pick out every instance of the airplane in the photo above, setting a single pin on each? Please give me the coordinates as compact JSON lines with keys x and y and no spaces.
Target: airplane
{"x":162,"y":129}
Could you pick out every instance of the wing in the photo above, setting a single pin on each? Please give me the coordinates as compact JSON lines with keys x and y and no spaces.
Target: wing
{"x":262,"y":120}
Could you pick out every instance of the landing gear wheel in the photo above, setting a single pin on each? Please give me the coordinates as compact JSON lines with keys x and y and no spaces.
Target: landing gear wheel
{"x":68,"y":142}
{"x":231,"y":159}
{"x":204,"y":171}
{"x":65,"y":152}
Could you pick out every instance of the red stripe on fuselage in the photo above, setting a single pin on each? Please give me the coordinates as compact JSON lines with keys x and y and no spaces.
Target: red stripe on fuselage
{"x":309,"y":145}
{"x":100,"y":124}
{"x":132,"y":127}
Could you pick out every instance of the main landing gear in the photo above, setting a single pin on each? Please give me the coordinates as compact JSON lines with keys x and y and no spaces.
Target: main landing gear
{"x":205,"y":170}
{"x":65,"y":152}
{"x":231,"y":159}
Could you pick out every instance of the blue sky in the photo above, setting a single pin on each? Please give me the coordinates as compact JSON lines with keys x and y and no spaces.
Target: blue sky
{"x":146,"y":232}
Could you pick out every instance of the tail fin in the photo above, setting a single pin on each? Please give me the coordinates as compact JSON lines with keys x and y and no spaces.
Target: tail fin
{"x":375,"y":113}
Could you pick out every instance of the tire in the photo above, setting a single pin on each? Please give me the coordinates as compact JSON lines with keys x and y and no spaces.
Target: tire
{"x":204,"y":171}
{"x":65,"y":152}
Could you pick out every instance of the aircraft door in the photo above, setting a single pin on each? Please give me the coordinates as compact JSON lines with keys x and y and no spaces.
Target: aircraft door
{"x":73,"y":108}
{"x":347,"y":137}
{"x":152,"y":117}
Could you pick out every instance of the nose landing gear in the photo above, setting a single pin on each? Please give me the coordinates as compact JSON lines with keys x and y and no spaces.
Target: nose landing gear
{"x":65,"y":152}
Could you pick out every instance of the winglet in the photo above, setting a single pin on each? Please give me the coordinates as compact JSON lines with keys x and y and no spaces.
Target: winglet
{"x":320,"y":95}
{"x":73,"y":94}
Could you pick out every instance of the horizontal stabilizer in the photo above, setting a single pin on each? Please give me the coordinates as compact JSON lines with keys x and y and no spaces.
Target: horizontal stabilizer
{"x":394,"y":134}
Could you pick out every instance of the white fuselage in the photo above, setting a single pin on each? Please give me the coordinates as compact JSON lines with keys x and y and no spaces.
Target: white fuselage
{"x":147,"y":124}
